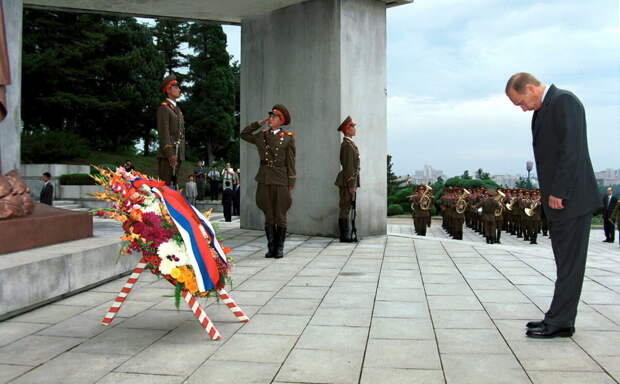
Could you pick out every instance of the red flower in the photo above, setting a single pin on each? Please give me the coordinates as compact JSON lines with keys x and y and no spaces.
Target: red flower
{"x":100,"y":213}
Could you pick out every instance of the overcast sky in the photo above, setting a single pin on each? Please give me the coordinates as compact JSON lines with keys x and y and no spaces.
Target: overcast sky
{"x":448,"y":62}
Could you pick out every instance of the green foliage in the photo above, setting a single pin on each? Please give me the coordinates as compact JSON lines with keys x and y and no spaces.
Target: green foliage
{"x":481,"y":175}
{"x":168,"y":36}
{"x":392,"y":184}
{"x":395,"y":209}
{"x":524,"y":183}
{"x":77,"y":179}
{"x":211,"y":125}
{"x":95,"y":76}
{"x":177,"y":294}
{"x":51,"y":146}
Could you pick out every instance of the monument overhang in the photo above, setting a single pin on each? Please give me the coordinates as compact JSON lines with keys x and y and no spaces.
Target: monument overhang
{"x":224,"y":12}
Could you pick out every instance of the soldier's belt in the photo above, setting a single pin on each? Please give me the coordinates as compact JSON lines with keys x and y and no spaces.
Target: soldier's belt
{"x":271,"y":163}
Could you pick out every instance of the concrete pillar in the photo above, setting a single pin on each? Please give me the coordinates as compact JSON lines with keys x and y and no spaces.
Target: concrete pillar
{"x":323,"y":59}
{"x":10,"y":127}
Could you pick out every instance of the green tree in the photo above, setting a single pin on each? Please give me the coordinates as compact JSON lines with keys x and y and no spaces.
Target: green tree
{"x":392,"y":183}
{"x":466,"y":175}
{"x":481,"y":175}
{"x":169,"y":35}
{"x":210,"y":107}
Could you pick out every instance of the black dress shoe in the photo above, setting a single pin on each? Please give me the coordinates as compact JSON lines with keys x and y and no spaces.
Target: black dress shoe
{"x":549,"y":332}
{"x":535,"y":324}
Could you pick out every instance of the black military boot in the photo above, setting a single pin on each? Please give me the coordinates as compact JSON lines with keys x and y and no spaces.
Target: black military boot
{"x":269,"y":232}
{"x":533,"y":238}
{"x":343,"y":226}
{"x":498,"y":236}
{"x":280,"y":236}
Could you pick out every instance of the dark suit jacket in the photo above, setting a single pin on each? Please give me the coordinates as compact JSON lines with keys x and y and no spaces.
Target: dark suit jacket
{"x":563,"y":163}
{"x":609,"y":208}
{"x":47,"y":194}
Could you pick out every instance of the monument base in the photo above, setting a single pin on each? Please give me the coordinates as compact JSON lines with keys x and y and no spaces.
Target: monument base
{"x":46,"y":226}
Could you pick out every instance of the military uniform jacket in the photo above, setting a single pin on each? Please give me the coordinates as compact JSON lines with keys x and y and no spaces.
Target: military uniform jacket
{"x":488,"y":208}
{"x":170,"y":129}
{"x":349,"y":176}
{"x":277,"y":155}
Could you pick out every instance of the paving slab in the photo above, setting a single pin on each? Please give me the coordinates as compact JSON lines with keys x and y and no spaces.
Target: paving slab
{"x":390,"y":309}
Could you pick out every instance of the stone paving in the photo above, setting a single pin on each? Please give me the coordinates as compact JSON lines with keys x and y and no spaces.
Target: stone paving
{"x":391,"y":309}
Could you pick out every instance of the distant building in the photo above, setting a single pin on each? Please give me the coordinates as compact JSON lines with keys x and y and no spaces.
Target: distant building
{"x":608,"y":177}
{"x":509,"y":181}
{"x":428,"y":175}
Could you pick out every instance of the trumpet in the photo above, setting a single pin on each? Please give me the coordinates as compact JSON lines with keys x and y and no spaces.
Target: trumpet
{"x":510,"y":204}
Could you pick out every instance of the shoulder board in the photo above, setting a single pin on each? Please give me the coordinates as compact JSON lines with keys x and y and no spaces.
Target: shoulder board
{"x":290,"y":133}
{"x":164,"y":103}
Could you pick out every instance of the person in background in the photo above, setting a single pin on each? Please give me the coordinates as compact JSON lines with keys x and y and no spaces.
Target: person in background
{"x":229,"y":177}
{"x":615,"y":216}
{"x":609,"y":204}
{"x":199,"y":175}
{"x":128,"y":165}
{"x":237,"y":195}
{"x":191,"y":191}
{"x":214,"y":181}
{"x":47,"y":192}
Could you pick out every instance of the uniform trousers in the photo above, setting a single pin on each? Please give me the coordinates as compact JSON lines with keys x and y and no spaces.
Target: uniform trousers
{"x":569,"y":240}
{"x":227,"y":202}
{"x":344,"y":206}
{"x":274,"y":201}
{"x":165,"y":170}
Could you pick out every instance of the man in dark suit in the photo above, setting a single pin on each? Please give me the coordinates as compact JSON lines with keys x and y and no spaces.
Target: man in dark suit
{"x":568,"y":188}
{"x":47,"y":192}
{"x":609,"y":203}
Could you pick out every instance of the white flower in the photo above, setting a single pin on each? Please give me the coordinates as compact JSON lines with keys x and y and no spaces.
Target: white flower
{"x":154,"y":207}
{"x":172,"y":255}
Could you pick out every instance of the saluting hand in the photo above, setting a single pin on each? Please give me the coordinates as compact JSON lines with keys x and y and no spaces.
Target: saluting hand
{"x":263,"y":121}
{"x":555,"y":202}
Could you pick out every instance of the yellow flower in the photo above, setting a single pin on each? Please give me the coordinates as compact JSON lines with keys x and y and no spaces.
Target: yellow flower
{"x":175,"y":273}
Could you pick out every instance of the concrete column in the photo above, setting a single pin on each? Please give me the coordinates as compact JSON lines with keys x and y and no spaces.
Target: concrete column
{"x":323,"y":59}
{"x":10,"y":127}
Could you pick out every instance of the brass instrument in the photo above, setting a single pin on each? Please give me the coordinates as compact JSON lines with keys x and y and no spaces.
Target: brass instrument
{"x":425,"y":199}
{"x":461,"y":204}
{"x":530,"y":210}
{"x":509,"y":205}
{"x":498,"y":198}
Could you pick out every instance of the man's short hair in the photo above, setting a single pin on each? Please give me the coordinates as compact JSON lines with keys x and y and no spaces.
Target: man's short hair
{"x":47,"y":174}
{"x":518,"y":81}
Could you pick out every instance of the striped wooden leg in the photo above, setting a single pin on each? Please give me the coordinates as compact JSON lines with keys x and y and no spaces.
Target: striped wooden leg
{"x":120,"y":299}
{"x":230,"y":303}
{"x":200,"y":315}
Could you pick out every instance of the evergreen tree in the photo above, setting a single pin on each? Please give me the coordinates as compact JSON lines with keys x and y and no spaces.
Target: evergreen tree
{"x":392,"y":183}
{"x":210,"y":107}
{"x":169,"y":35}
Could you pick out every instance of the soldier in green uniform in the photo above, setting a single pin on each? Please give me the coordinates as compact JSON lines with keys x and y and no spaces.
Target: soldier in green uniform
{"x":499,"y":218}
{"x":348,"y":179}
{"x":535,"y":218}
{"x":421,"y":210}
{"x":171,"y":132}
{"x":458,"y":214}
{"x":489,"y":206}
{"x":276,"y":174}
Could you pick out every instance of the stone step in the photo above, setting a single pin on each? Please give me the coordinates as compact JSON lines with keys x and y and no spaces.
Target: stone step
{"x":72,"y":207}
{"x":63,"y":202}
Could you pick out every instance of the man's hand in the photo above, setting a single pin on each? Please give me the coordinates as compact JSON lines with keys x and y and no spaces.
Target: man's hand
{"x":352,"y":190}
{"x":173,"y":161}
{"x":290,"y":187}
{"x":555,"y":202}
{"x":263,"y":121}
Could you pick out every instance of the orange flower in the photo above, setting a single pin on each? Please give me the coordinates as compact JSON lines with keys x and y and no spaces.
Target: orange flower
{"x":191,"y":285}
{"x":136,"y":214}
{"x":227,"y":251}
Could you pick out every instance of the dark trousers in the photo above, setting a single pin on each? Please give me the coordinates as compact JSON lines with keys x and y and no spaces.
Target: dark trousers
{"x":569,"y":240}
{"x":609,"y":229}
{"x":200,"y":186}
{"x":215,"y":189}
{"x":227,"y":202}
{"x":237,"y":201}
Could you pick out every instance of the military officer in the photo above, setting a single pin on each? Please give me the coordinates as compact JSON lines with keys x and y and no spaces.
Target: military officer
{"x":535,"y":218}
{"x":348,"y":179}
{"x":276,"y":174}
{"x":421,"y":210}
{"x":171,"y":132}
{"x":458,"y":214}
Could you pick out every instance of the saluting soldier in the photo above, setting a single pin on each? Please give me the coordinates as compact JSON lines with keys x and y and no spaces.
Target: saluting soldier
{"x":348,"y":179}
{"x":171,"y":132}
{"x":276,"y":174}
